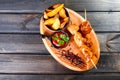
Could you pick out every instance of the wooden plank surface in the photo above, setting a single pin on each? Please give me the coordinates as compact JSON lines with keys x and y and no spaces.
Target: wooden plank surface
{"x":104,"y":21}
{"x":37,"y":6}
{"x":29,"y":23}
{"x":59,"y":77}
{"x":19,"y":34}
{"x":25,"y":6}
{"x":45,"y":64}
{"x":32,"y":43}
{"x":94,"y":5}
{"x":19,"y":23}
{"x":21,"y":43}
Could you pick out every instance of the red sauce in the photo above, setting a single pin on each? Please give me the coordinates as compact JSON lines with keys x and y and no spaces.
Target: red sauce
{"x":60,"y":39}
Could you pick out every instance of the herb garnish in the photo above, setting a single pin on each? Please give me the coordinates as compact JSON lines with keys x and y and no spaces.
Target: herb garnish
{"x":60,"y":39}
{"x":64,"y":37}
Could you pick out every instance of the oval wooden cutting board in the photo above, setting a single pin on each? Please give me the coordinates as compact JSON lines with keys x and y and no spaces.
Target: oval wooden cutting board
{"x":56,"y":53}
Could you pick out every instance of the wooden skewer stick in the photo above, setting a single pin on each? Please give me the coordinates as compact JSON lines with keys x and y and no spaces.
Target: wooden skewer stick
{"x":85,"y":14}
{"x":90,"y":59}
{"x":93,"y":63}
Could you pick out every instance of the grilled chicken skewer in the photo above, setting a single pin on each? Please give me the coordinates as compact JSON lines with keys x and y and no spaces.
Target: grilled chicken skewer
{"x":81,"y":38}
{"x":90,"y":59}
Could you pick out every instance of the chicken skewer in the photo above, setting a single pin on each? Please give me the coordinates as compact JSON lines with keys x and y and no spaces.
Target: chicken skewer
{"x":85,"y":29}
{"x":90,"y":59}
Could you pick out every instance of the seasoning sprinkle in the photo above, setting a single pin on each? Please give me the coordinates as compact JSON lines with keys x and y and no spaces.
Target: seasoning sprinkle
{"x":74,"y":59}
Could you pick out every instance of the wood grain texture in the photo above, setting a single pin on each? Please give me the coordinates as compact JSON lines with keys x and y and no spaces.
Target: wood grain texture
{"x":94,"y":5}
{"x":32,"y":43}
{"x":91,"y":77}
{"x":60,"y":77}
{"x":45,"y":64}
{"x":19,"y":23}
{"x":29,"y":23}
{"x":37,"y":6}
{"x":21,"y":43}
{"x":19,"y":33}
{"x":25,"y":6}
{"x":104,"y":21}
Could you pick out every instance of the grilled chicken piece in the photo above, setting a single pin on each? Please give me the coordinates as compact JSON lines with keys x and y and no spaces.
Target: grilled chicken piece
{"x":73,"y":28}
{"x":88,"y":41}
{"x":86,"y":52}
{"x":85,"y":27}
{"x":78,"y":39}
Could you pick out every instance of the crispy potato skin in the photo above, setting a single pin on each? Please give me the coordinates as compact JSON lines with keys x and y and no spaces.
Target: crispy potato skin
{"x":62,"y":13}
{"x":56,"y":24}
{"x":55,"y":11}
{"x":56,"y":17}
{"x":49,"y":21}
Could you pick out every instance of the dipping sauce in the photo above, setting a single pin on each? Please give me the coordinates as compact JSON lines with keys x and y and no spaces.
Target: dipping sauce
{"x":60,"y":39}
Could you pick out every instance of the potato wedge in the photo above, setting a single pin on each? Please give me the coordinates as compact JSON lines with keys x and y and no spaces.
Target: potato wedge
{"x":45,"y":15}
{"x":49,"y":21}
{"x":62,"y":25}
{"x":66,"y":19}
{"x":48,"y":10}
{"x":62,"y":13}
{"x":56,"y":5}
{"x":56,"y":24}
{"x":55,"y":11}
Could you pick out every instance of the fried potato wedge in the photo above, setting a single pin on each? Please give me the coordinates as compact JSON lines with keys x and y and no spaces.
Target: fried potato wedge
{"x":48,"y":10}
{"x":65,"y":21}
{"x":45,"y":15}
{"x":49,"y":21}
{"x":55,"y":11}
{"x":56,"y":5}
{"x":62,"y":24}
{"x":73,"y":28}
{"x":62,"y":13}
{"x":56,"y":24}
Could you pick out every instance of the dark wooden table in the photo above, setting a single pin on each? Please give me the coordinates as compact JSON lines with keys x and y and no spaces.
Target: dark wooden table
{"x":23,"y":55}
